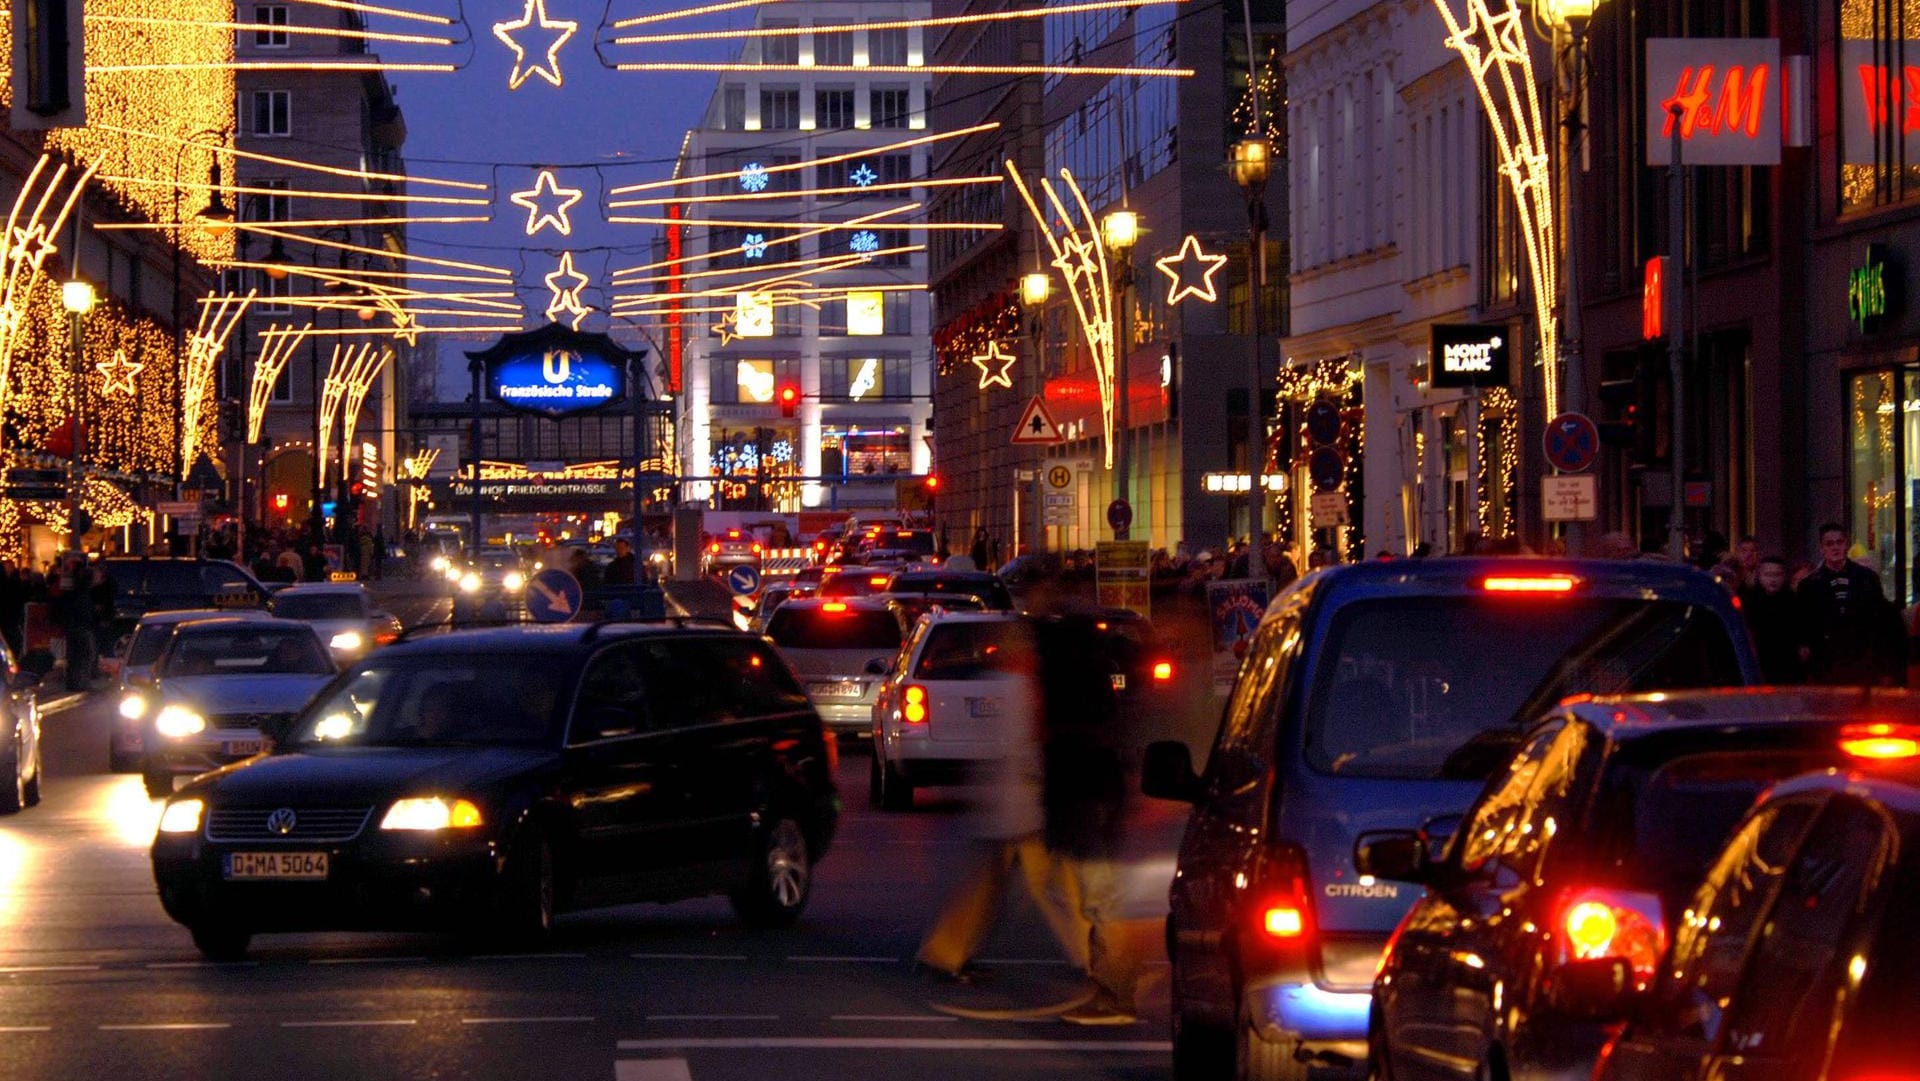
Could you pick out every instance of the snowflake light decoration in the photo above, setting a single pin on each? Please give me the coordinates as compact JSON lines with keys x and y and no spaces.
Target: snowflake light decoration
{"x":864,"y":242}
{"x":753,"y":177}
{"x":753,"y":246}
{"x":863,"y":176}
{"x":781,"y":453}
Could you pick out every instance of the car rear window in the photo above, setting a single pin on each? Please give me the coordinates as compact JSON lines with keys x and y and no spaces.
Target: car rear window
{"x":853,"y":582}
{"x":1411,"y":687}
{"x":815,"y":628}
{"x":988,"y":591}
{"x":963,"y":651}
{"x":318,"y":606}
{"x":917,"y":541}
{"x":252,"y":650}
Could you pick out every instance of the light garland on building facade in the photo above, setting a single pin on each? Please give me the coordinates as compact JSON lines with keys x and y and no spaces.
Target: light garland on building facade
{"x":204,"y":347}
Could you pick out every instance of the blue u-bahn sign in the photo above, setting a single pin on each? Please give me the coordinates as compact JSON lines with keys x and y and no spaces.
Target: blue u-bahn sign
{"x":555,"y":372}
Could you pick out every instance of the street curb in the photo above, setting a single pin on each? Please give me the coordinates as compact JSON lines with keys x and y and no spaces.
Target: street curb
{"x":63,"y":703}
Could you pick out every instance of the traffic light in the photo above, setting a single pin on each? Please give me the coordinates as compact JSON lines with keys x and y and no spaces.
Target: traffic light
{"x":789,"y":400}
{"x":1620,"y":424}
{"x":933,"y":484}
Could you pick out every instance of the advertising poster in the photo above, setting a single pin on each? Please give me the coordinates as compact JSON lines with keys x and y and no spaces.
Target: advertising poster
{"x":1123,"y":576}
{"x":1234,"y":608}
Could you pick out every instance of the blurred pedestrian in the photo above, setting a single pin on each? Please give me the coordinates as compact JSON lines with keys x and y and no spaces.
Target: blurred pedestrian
{"x":73,"y":608}
{"x":1855,"y":634}
{"x":1774,"y":617}
{"x":620,"y":569}
{"x":982,"y":551}
{"x":1746,"y":554}
{"x":1280,"y":566}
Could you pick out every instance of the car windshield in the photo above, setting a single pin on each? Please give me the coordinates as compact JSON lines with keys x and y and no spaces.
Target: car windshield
{"x":318,"y":606}
{"x":823,"y":628}
{"x":515,"y":700}
{"x":916,"y":541}
{"x":974,"y":650}
{"x":250,"y":650}
{"x":853,"y":582}
{"x":1439,"y":687}
{"x":147,"y":642}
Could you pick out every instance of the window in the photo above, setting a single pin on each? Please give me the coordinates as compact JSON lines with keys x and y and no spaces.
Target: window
{"x":887,"y":47}
{"x":865,"y":379}
{"x":733,"y":108}
{"x":833,"y":50}
{"x":273,"y":113}
{"x":271,"y":205}
{"x":891,"y":106}
{"x":750,"y":381}
{"x":273,"y":294}
{"x":613,"y":698}
{"x":1879,"y":136}
{"x":272,"y":20}
{"x":780,"y":110}
{"x":781,"y":48}
{"x":714,"y":680}
{"x":864,"y":171}
{"x":895,"y":311}
{"x":833,"y":109}
{"x":872,"y":629}
{"x":1493,"y":839}
{"x":975,"y":651}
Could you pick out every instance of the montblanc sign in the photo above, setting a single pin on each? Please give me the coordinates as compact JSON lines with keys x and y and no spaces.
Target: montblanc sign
{"x":1470,"y":355}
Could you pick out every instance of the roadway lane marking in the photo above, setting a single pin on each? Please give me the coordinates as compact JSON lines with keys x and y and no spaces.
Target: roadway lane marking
{"x":894,"y":1043}
{"x":526,"y":1020}
{"x":26,"y":1028}
{"x":15,"y":969}
{"x":895,"y":1018}
{"x":652,"y":1069}
{"x":62,"y":704}
{"x":174,"y":1026}
{"x":201,"y":964}
{"x":1022,"y":961}
{"x":810,"y":959}
{"x":394,"y":1023}
{"x":525,"y":956}
{"x":688,"y":956}
{"x":366,"y":960}
{"x":713,"y":1017}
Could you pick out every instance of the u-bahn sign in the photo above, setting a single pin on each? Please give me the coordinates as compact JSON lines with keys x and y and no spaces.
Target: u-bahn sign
{"x":555,"y":372}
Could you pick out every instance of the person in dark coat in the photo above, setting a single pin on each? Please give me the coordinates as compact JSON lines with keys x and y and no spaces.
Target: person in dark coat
{"x":13,"y":608}
{"x":1775,"y":619}
{"x":621,"y":569}
{"x":1854,"y":633}
{"x":73,"y":608}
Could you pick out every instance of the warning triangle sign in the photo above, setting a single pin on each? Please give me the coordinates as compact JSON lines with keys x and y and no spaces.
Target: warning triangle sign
{"x":1036,"y":427}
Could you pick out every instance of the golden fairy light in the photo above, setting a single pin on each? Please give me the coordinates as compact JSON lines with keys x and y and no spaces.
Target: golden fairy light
{"x":535,"y":18}
{"x":539,"y":216}
{"x":276,"y":348}
{"x":204,"y":346}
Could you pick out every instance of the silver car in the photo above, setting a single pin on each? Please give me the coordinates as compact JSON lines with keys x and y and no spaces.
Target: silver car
{"x":219,"y":690}
{"x":341,"y":613}
{"x":126,"y":748}
{"x":840,"y":648}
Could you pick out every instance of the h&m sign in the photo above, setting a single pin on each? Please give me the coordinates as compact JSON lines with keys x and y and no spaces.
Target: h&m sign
{"x":1721,"y":95}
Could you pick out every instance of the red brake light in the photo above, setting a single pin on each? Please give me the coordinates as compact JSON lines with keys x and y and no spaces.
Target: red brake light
{"x":716,"y":548}
{"x":1530,"y":583}
{"x":914,"y":709}
{"x":756,"y":549}
{"x":833,"y":606}
{"x":1163,"y":671}
{"x":1283,"y":921}
{"x":1614,"y":923}
{"x":1881,"y":741}
{"x":877,"y":580}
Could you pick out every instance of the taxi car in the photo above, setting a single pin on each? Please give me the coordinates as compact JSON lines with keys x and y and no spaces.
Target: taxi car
{"x":341,"y":613}
{"x":125,"y":744}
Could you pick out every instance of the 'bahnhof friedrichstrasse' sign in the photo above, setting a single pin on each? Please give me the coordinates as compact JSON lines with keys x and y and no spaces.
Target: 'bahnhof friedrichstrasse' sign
{"x":555,"y":371}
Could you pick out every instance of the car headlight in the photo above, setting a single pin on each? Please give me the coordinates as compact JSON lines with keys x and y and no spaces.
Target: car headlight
{"x":513,"y":580}
{"x":179,"y":722}
{"x":431,"y":813}
{"x":346,"y":641}
{"x":182,"y":816}
{"x":333,"y":726}
{"x":133,"y":707}
{"x":469,"y":583}
{"x":453,"y":573}
{"x":440,"y":564}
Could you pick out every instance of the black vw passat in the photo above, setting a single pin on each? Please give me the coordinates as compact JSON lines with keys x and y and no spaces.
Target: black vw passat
{"x":480,"y":782}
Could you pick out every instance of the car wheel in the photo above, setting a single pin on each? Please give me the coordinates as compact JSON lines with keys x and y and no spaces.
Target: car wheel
{"x":1201,"y":1052}
{"x":896,"y":792}
{"x":782,"y":878}
{"x":159,"y":785}
{"x":529,"y":893}
{"x":1379,"y":1059}
{"x":1258,"y":1059}
{"x":13,"y":786}
{"x":221,"y":943}
{"x":30,"y":790}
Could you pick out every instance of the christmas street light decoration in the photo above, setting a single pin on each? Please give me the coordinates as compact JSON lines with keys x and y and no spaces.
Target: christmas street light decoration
{"x":359,"y":383}
{"x":995,"y":367}
{"x":753,"y":177}
{"x":754,"y":246}
{"x":819,"y":31}
{"x":276,"y":348}
{"x":25,"y":247}
{"x":204,"y":348}
{"x":863,"y":177}
{"x":1190,"y":272}
{"x":342,"y":371}
{"x":786,"y":167}
{"x":119,"y":375}
{"x":538,"y":215}
{"x":566,"y":298}
{"x":535,"y":17}
{"x":866,"y":242}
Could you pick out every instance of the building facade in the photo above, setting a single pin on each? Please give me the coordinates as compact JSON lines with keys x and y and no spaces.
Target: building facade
{"x":802,"y":365}
{"x":326,"y":268}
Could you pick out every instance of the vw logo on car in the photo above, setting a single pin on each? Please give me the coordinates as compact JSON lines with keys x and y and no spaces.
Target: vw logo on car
{"x":282,"y":821}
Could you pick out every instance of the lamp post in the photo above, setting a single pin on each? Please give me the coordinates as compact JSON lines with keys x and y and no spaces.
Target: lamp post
{"x":1121,"y":230}
{"x":1034,"y":290}
{"x":77,"y":297}
{"x":216,"y":210}
{"x":1252,"y":162}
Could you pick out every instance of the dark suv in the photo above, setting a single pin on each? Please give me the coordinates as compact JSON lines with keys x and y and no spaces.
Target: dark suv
{"x":482,"y":781}
{"x":143,"y":584}
{"x":1372,"y":696}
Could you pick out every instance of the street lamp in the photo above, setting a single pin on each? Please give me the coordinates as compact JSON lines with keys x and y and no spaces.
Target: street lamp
{"x":1252,"y":163}
{"x":77,"y":297}
{"x":1121,"y":230}
{"x":1035,"y":288}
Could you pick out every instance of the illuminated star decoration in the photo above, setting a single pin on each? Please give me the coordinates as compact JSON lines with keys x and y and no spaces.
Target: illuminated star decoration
{"x":1190,"y":272}
{"x":539,"y":218}
{"x":863,"y":176}
{"x":32,"y":245}
{"x":726,"y":327}
{"x":986,"y":362}
{"x":535,"y":17}
{"x":753,"y":177}
{"x":566,"y":298}
{"x":119,"y":374}
{"x":753,"y":246}
{"x":863,"y":242}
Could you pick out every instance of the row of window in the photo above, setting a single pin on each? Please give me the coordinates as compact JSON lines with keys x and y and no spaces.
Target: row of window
{"x":755,"y":381}
{"x":885,"y":47}
{"x":833,"y":108}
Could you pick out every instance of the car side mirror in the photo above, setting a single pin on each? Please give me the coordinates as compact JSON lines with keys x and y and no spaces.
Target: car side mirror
{"x":1597,"y":989}
{"x":1166,"y":772}
{"x":39,"y":662}
{"x":878,"y":667}
{"x":1395,"y":855}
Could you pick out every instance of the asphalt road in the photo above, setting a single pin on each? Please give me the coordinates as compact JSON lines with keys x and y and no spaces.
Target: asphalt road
{"x":96,"y":982}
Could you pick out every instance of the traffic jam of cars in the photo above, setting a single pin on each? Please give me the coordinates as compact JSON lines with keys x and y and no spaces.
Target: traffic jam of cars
{"x":1480,"y":818}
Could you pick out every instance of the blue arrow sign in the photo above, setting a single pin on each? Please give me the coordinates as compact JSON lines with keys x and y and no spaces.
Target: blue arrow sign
{"x":553,"y":596}
{"x":744,"y":579}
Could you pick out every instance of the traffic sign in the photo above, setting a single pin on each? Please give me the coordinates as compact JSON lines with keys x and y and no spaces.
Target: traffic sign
{"x":1064,"y":499}
{"x":1120,"y":515}
{"x":1327,"y":467}
{"x":744,"y":579}
{"x":178,"y":508}
{"x":1323,"y":420}
{"x":1569,"y":498}
{"x":554,"y":596}
{"x":1060,"y":477}
{"x":1329,"y":509}
{"x":1036,"y":427}
{"x":1572,"y":442}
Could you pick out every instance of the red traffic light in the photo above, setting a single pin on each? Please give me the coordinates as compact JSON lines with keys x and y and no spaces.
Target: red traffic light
{"x":281,"y":501}
{"x":789,"y":400}
{"x":933,"y":483}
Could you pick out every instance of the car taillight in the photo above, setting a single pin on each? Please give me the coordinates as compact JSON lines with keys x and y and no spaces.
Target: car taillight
{"x":913,"y":708}
{"x":716,"y":548}
{"x":1279,"y":909}
{"x":386,"y":638}
{"x":833,"y":606}
{"x":756,"y":549}
{"x":1530,"y":583}
{"x":833,"y":754}
{"x":1881,"y":741}
{"x":1614,"y":923}
{"x":1163,"y":672}
{"x":1283,"y":921}
{"x":876,"y":581}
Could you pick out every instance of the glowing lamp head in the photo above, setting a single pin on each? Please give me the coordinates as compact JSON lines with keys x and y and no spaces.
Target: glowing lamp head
{"x":1121,"y":229}
{"x":1252,"y":162}
{"x":77,"y":296}
{"x":367,"y":312}
{"x":1034,"y":289}
{"x":1568,"y":13}
{"x":277,"y":265}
